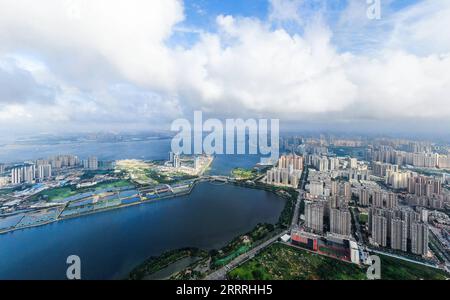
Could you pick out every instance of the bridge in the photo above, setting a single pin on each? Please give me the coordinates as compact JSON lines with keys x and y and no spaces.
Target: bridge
{"x":215,"y":178}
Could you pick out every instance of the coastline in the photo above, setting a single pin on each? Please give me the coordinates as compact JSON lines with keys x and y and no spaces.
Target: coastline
{"x":103,"y":210}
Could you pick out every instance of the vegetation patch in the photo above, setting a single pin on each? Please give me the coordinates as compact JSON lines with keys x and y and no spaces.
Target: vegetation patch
{"x":241,"y":245}
{"x":64,"y":192}
{"x":243,"y":174}
{"x":155,"y":264}
{"x":282,"y":262}
{"x":397,"y":269}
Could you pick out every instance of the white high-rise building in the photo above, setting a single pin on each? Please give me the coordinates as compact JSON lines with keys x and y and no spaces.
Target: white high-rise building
{"x":25,"y":174}
{"x":91,"y":163}
{"x":176,"y":161}
{"x":44,"y":172}
{"x":352,"y":163}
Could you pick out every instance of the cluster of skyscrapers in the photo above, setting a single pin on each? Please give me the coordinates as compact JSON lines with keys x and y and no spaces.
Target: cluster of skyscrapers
{"x":400,"y":229}
{"x":423,"y":159}
{"x":43,"y":169}
{"x":31,"y":173}
{"x":288,"y":171}
{"x":339,"y":217}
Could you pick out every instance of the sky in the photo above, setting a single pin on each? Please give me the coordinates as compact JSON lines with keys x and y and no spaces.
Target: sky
{"x":135,"y":65}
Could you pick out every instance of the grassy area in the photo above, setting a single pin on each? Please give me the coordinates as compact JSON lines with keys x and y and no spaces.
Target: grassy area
{"x":396,"y":269}
{"x":240,"y":245}
{"x":58,"y":193}
{"x":137,"y":170}
{"x":90,"y":174}
{"x":61,"y":193}
{"x":112,"y":184}
{"x":281,"y":262}
{"x":363,"y":218}
{"x":233,"y":255}
{"x":243,"y":174}
{"x":160,"y":178}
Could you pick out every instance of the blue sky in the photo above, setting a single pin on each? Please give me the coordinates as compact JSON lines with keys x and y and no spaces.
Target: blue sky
{"x":200,"y":15}
{"x":81,"y":65}
{"x":200,"y":12}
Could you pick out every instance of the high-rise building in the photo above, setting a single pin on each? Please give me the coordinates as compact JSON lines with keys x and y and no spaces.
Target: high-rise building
{"x":346,"y":190}
{"x":2,"y":168}
{"x":399,"y":234}
{"x":91,"y":163}
{"x":314,"y":212}
{"x":379,"y":230}
{"x":419,"y":238}
{"x":292,"y":162}
{"x":352,"y":163}
{"x":16,"y":175}
{"x":63,"y":161}
{"x":333,"y":163}
{"x":25,"y":174}
{"x":316,"y":188}
{"x":197,"y":163}
{"x":334,"y":188}
{"x":44,"y":172}
{"x":364,"y":197}
{"x":377,"y":199}
{"x":409,"y":216}
{"x":340,"y":222}
{"x":391,"y":200}
{"x":283,"y":176}
{"x":176,"y":161}
{"x":334,"y":202}
{"x":424,"y":186}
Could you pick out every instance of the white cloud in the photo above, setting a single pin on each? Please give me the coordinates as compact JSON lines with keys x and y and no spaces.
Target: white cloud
{"x":107,"y":63}
{"x":285,"y":10}
{"x":250,"y":68}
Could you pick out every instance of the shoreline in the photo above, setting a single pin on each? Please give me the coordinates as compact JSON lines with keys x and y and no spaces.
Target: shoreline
{"x":98,"y":211}
{"x":58,"y":218}
{"x":186,"y":193}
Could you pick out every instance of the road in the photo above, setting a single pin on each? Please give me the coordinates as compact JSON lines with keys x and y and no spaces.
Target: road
{"x":301,"y":192}
{"x":295,"y":216}
{"x":359,"y":236}
{"x":221,"y":273}
{"x":403,"y":258}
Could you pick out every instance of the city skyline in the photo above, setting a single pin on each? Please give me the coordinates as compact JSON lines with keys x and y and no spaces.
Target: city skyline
{"x":78,"y":66}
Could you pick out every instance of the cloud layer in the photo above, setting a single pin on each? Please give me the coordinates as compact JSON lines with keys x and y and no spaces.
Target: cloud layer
{"x":107,"y":64}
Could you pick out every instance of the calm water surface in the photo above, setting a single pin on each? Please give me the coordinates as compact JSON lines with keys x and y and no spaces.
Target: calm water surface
{"x":110,"y":244}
